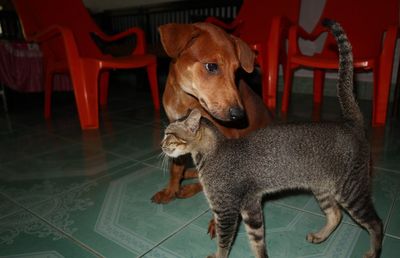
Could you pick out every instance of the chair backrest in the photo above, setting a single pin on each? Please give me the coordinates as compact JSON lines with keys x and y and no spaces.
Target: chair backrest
{"x":256,"y":17}
{"x":365,"y":22}
{"x":37,"y":15}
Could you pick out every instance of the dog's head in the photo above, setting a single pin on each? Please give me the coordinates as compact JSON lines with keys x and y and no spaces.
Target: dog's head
{"x":205,"y":60}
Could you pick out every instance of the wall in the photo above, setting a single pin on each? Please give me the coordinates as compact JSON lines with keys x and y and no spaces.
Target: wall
{"x":101,"y":5}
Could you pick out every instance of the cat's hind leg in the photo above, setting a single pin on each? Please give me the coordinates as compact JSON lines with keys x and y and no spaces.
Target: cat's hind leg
{"x":361,"y":209}
{"x":333,"y":214}
{"x":253,"y":220}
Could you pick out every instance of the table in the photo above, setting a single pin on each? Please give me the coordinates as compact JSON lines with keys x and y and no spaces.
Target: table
{"x":21,"y":68}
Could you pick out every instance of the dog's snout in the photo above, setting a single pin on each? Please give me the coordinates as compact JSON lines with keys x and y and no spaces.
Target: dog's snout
{"x":236,"y":113}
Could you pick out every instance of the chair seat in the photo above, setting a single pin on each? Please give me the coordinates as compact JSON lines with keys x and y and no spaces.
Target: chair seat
{"x":111,"y":62}
{"x":127,"y":62}
{"x":329,"y":62}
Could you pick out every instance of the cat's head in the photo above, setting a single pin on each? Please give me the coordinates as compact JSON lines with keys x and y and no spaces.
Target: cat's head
{"x":182,"y":136}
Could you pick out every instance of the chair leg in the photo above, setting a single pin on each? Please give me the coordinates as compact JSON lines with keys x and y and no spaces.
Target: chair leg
{"x":270,"y":80}
{"x":381,"y":96}
{"x":396,"y":112}
{"x":85,"y":83}
{"x":318,"y":93}
{"x":3,"y":95}
{"x":104,"y":80}
{"x":319,"y":78}
{"x":287,"y":88}
{"x":152,"y":76}
{"x":261,"y":61}
{"x":48,"y":88}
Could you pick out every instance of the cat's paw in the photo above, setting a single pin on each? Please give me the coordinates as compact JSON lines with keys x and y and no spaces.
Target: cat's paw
{"x":314,"y":238}
{"x":211,"y":228}
{"x":371,"y":254}
{"x":164,"y":196}
{"x":211,"y":256}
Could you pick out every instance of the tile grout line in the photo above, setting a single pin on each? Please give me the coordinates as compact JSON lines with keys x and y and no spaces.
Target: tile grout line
{"x":355,"y":224}
{"x":386,"y":224}
{"x":142,"y":161}
{"x":89,"y":182}
{"x":35,"y":155}
{"x":387,"y":169}
{"x":299,"y":209}
{"x":173,"y":233}
{"x":66,"y":138}
{"x":12,"y":213}
{"x":167,"y":162}
{"x":68,"y":236}
{"x":313,"y":213}
{"x":393,"y":236}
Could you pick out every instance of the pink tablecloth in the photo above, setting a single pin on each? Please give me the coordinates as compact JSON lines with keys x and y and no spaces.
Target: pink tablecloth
{"x":21,"y":68}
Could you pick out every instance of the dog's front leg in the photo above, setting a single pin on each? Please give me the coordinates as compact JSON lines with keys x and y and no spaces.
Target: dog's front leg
{"x":188,"y":190}
{"x":176,"y":174}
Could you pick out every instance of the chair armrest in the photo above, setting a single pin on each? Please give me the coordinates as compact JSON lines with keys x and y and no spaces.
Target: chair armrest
{"x":227,"y":26}
{"x":67,"y":37}
{"x":138,"y":32}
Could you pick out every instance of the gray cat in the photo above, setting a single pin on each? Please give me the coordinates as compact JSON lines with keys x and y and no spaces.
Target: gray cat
{"x":332,"y":160}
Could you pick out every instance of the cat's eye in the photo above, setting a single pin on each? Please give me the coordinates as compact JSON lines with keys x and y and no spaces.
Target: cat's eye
{"x":211,"y":67}
{"x":175,"y":139}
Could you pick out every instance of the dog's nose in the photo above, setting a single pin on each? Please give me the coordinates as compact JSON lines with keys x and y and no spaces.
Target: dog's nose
{"x":236,"y":113}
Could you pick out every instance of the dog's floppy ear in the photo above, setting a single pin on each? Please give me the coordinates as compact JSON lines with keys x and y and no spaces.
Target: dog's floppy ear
{"x":175,"y":37}
{"x":245,"y":54}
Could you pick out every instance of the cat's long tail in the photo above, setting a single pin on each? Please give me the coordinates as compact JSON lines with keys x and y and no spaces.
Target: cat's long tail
{"x":350,"y":109}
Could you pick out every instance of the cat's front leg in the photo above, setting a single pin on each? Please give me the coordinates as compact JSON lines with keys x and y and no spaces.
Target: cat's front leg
{"x":226,"y":224}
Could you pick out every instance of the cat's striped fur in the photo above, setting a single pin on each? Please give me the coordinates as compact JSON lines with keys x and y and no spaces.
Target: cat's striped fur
{"x":332,"y":160}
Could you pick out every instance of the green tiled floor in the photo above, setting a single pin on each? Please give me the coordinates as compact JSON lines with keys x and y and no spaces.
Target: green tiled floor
{"x":68,"y":193}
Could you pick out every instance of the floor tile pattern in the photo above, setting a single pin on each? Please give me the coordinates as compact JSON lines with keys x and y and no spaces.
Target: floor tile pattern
{"x":65,"y":192}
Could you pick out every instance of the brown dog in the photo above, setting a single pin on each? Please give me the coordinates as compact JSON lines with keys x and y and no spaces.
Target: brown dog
{"x":202,"y":75}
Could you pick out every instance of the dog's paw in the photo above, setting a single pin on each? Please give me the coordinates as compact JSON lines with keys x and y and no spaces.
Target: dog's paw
{"x":164,"y":196}
{"x":211,"y":228}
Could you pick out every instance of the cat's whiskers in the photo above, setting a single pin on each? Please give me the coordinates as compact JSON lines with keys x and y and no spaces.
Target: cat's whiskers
{"x":165,"y":162}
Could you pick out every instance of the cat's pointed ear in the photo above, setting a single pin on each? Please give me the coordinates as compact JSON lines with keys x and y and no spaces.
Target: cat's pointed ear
{"x":193,"y":120}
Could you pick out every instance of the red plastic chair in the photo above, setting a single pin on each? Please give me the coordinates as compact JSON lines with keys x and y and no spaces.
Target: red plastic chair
{"x":263,"y":24}
{"x":64,"y":30}
{"x":371,"y":27}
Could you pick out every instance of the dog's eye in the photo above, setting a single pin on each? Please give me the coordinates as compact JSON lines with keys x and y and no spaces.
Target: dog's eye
{"x":211,"y":67}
